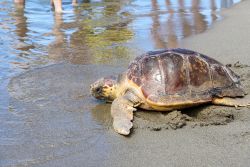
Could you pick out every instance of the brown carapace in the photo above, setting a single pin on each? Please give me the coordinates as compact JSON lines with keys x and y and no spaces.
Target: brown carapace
{"x":177,"y":75}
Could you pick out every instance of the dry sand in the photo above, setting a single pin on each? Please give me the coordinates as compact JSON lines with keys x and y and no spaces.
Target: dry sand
{"x":59,"y":124}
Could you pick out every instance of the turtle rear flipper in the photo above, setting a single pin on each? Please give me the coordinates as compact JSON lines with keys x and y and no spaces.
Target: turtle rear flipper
{"x":122,"y":112}
{"x":236,"y":102}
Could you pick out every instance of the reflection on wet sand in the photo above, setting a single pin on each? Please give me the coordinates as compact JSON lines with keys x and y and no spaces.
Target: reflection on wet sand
{"x":199,"y":19}
{"x":155,"y":25}
{"x":227,"y":3}
{"x":57,"y":49}
{"x":21,"y":29}
{"x":105,"y":31}
{"x":182,"y":20}
{"x":108,"y":31}
{"x":98,"y":38}
{"x":21,"y":32}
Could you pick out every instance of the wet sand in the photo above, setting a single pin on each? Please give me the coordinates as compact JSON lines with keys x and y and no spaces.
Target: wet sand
{"x":227,"y":40}
{"x":59,"y":124}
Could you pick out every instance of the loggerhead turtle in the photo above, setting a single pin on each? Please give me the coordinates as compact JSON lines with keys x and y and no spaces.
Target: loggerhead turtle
{"x":166,"y":80}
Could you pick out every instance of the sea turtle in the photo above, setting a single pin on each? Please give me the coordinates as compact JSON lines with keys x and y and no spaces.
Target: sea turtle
{"x":166,"y":80}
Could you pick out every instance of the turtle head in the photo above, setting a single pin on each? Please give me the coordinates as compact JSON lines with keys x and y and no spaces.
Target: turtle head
{"x":104,"y":88}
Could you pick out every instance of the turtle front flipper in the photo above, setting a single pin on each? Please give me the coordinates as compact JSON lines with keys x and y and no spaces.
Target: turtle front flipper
{"x":122,"y":112}
{"x":236,"y":102}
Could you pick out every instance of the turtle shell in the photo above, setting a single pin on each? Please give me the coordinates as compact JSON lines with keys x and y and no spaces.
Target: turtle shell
{"x":176,"y":75}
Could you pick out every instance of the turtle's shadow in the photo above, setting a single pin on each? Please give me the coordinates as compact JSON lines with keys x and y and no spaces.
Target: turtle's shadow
{"x":210,"y":114}
{"x":101,"y":114}
{"x":154,"y":120}
{"x":195,"y":111}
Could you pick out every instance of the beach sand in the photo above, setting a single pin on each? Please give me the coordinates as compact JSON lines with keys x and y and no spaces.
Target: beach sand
{"x":67,"y":127}
{"x":227,"y":40}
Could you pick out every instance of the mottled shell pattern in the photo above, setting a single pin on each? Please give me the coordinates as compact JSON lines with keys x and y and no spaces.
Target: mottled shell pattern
{"x":174,"y":75}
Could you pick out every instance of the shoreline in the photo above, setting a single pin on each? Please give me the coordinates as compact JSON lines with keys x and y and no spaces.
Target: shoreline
{"x":227,"y":39}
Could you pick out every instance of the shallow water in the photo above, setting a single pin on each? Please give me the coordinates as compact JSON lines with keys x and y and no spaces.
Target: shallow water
{"x":106,"y":32}
{"x":49,"y":115}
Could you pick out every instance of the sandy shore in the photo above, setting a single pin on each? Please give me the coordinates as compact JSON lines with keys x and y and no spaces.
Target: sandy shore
{"x":57,"y":122}
{"x":227,"y":40}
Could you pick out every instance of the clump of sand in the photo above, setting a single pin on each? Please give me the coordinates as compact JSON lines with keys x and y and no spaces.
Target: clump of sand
{"x":201,"y":116}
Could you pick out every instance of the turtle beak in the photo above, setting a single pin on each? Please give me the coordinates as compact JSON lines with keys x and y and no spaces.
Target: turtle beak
{"x":91,"y":87}
{"x":92,"y":90}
